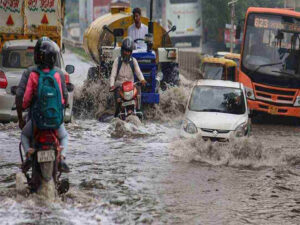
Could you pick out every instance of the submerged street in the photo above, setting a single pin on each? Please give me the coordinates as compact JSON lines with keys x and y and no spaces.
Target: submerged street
{"x":145,"y":174}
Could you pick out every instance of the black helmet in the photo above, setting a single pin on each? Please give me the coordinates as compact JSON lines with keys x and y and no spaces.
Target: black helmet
{"x":45,"y":52}
{"x":127,"y":45}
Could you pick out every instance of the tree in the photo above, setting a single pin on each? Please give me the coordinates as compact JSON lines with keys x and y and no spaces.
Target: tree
{"x":216,"y":13}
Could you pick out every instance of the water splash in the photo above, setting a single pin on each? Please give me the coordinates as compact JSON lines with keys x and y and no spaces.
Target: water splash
{"x":132,"y":128}
{"x":93,"y":100}
{"x":238,"y":152}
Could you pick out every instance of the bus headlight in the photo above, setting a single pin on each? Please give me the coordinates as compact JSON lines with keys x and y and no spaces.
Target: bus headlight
{"x":249,"y":93}
{"x":297,"y":102}
{"x":189,"y":127}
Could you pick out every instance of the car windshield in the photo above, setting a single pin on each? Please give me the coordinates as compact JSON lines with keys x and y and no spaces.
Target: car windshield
{"x":272,"y":39}
{"x":213,"y":71}
{"x":20,"y":58}
{"x":217,"y":99}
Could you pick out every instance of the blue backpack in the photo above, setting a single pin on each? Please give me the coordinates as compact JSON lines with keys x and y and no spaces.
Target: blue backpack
{"x":47,"y":110}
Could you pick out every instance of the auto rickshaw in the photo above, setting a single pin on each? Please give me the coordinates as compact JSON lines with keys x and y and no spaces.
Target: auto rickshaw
{"x":235,"y":57}
{"x":218,"y":69}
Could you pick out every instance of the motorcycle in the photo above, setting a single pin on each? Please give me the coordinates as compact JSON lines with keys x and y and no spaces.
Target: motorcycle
{"x":45,"y":165}
{"x":130,"y":100}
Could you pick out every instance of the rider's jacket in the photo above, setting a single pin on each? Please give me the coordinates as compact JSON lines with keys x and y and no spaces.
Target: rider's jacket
{"x":32,"y":87}
{"x":125,"y":74}
{"x":23,"y":83}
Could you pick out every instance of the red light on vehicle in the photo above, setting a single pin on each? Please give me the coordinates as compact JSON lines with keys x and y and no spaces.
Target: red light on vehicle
{"x":30,"y":49}
{"x":67,"y":78}
{"x":3,"y":80}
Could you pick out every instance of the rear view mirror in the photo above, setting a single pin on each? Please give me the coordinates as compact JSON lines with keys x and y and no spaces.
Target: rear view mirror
{"x":70,"y":69}
{"x":173,"y":28}
{"x":119,"y":32}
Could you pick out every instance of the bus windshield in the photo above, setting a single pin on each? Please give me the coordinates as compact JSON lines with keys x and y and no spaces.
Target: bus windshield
{"x":272,"y":45}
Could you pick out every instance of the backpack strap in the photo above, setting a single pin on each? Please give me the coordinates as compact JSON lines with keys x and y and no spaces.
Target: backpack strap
{"x":119,"y":66}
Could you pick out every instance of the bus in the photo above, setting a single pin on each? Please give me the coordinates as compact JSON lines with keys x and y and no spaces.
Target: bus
{"x":186,"y":15}
{"x":270,"y":61}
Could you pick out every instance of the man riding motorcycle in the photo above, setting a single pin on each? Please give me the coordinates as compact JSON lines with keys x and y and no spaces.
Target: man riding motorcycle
{"x":123,"y":69}
{"x":45,"y":54}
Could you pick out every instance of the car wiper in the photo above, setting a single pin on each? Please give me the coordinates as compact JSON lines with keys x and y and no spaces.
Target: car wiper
{"x":211,"y":110}
{"x":283,"y":72}
{"x":264,"y":65}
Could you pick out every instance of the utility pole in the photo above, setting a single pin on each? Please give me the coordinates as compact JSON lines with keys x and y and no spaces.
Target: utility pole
{"x":232,"y":4}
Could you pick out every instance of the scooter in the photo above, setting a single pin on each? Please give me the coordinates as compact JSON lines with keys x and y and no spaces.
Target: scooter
{"x":45,"y":164}
{"x":130,"y":100}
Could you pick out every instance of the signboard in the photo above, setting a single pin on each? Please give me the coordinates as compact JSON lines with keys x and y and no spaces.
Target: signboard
{"x":11,"y":20}
{"x":275,"y":23}
{"x":227,"y":36}
{"x":42,"y":16}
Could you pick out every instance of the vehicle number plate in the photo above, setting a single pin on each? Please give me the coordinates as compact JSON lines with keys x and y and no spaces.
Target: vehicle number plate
{"x":273,"y":110}
{"x":132,"y":102}
{"x":46,"y":156}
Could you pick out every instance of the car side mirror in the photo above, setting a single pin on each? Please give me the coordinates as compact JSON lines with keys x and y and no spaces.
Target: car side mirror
{"x":173,"y":28}
{"x":70,"y":69}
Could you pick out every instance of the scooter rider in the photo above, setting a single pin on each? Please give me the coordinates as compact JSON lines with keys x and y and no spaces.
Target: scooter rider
{"x":45,"y":54}
{"x":123,"y":69}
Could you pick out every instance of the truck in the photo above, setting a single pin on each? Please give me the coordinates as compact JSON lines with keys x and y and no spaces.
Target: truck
{"x":159,"y":62}
{"x":269,"y":66}
{"x":187,"y":16}
{"x":31,"y":19}
{"x":22,"y":23}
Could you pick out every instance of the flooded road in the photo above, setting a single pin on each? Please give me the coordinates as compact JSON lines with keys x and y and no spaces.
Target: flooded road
{"x":145,"y":174}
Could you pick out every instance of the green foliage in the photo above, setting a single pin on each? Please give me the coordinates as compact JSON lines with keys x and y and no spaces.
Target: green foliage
{"x":216,"y":13}
{"x":72,"y":11}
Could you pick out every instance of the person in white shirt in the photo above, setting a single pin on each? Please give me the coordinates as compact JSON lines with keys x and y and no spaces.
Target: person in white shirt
{"x":138,"y":30}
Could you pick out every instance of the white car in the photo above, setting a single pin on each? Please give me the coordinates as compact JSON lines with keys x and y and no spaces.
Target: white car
{"x":15,"y":57}
{"x":216,"y":110}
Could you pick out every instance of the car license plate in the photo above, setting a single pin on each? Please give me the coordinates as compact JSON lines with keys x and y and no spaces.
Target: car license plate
{"x":45,"y":156}
{"x":273,"y":110}
{"x":132,"y":102}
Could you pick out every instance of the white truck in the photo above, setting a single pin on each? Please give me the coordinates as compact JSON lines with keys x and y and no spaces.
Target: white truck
{"x":186,"y":15}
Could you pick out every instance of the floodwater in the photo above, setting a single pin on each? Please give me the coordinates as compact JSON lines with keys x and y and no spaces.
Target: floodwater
{"x":131,"y":173}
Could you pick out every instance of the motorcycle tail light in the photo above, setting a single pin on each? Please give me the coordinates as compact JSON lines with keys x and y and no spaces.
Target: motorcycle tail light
{"x":47,"y":138}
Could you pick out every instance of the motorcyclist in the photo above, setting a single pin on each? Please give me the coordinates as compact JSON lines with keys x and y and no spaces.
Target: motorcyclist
{"x":45,"y":53}
{"x":123,"y":69}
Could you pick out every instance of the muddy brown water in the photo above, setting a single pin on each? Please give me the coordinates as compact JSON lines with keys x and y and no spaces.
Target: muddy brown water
{"x":142,"y":178}
{"x":145,"y":174}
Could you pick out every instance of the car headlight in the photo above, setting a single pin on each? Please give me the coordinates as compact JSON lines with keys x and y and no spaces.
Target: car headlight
{"x":241,"y":130}
{"x":189,"y":127}
{"x":128,"y":95}
{"x":297,"y":102}
{"x":249,"y":93}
